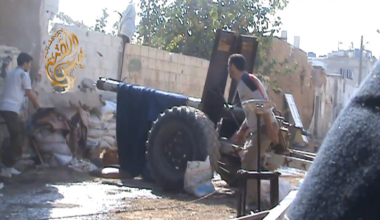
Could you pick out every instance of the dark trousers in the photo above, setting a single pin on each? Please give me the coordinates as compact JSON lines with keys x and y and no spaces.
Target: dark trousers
{"x":16,"y":140}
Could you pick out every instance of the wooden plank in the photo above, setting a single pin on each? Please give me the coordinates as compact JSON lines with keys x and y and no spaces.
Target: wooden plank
{"x":295,"y":114}
{"x":279,"y":212}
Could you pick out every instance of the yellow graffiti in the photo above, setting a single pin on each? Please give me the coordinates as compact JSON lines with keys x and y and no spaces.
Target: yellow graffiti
{"x":67,"y":47}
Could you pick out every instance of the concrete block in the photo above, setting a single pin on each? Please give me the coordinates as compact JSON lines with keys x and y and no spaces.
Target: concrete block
{"x":133,"y":49}
{"x":160,"y":54}
{"x":144,"y":63}
{"x":173,"y":87}
{"x":89,"y":49}
{"x":116,"y":41}
{"x":181,"y":69}
{"x":95,"y":37}
{"x":163,"y":76}
{"x":174,"y":57}
{"x":196,"y":62}
{"x":107,"y":40}
{"x":181,"y":59}
{"x":152,"y":53}
{"x":174,"y":68}
{"x":159,"y":65}
{"x":93,"y":62}
{"x":152,"y":63}
{"x":188,"y":60}
{"x":101,"y":49}
{"x":156,"y":75}
{"x":167,"y":66}
{"x":188,"y":70}
{"x":165,"y":86}
{"x":149,"y":76}
{"x":181,"y":79}
{"x":108,"y":65}
{"x":144,"y":51}
{"x":205,"y":64}
{"x":166,"y":56}
{"x":111,"y":53}
{"x":172,"y":77}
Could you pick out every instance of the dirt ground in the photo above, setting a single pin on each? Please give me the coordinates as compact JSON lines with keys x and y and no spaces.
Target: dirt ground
{"x":66,"y":194}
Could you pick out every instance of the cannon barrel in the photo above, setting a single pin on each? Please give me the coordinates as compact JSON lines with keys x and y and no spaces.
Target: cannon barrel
{"x":107,"y":84}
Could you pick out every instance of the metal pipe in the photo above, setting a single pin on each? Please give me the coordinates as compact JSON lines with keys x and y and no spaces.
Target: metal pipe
{"x":258,"y":116}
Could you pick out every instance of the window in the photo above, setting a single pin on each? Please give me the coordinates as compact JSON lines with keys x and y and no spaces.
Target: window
{"x":346,"y":73}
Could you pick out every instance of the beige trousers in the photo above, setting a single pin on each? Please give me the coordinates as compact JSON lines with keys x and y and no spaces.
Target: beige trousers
{"x":249,"y":160}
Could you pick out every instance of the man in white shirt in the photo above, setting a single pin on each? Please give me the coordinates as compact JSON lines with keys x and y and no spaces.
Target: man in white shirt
{"x":249,"y":87}
{"x":17,"y":85}
{"x":127,"y":23}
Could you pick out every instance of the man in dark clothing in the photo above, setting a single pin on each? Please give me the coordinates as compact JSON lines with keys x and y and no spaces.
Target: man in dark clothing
{"x":344,"y":181}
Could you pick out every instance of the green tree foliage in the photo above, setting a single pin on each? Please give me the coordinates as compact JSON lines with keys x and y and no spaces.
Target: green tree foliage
{"x":189,"y":26}
{"x":101,"y":22}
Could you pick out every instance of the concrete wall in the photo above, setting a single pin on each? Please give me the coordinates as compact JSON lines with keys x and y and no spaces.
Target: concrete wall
{"x":142,"y":65}
{"x":20,"y":27}
{"x":102,"y":54}
{"x":164,"y":70}
{"x":330,"y":105}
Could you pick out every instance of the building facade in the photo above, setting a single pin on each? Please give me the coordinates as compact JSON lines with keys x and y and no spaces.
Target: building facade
{"x":342,"y":72}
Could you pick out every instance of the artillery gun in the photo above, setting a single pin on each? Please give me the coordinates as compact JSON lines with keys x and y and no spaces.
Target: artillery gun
{"x":205,"y":127}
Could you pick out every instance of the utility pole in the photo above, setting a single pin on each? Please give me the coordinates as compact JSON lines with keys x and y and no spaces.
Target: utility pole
{"x":149,"y":24}
{"x":361,"y":60}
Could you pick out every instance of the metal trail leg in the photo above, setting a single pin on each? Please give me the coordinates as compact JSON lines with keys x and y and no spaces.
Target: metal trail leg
{"x":258,"y":116}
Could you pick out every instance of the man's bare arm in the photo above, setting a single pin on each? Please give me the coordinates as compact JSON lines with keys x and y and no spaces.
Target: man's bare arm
{"x":33,"y":98}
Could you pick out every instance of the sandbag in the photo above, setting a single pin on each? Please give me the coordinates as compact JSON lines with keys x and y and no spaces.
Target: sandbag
{"x":105,"y":145}
{"x":110,"y":125}
{"x":95,"y":122}
{"x":113,"y":120}
{"x":107,"y":117}
{"x":111,"y":133}
{"x":94,"y":140}
{"x":110,"y":140}
{"x":96,"y":133}
{"x":106,"y":112}
{"x":52,"y":142}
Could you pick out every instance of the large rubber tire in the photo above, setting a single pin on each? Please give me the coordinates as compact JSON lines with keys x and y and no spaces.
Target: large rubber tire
{"x":179,"y":135}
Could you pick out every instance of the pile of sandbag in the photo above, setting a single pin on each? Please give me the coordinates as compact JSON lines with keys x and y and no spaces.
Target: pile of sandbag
{"x":101,"y":134}
{"x":51,"y":131}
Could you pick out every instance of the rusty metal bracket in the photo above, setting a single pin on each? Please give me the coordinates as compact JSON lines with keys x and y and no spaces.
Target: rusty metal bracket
{"x":244,"y":176}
